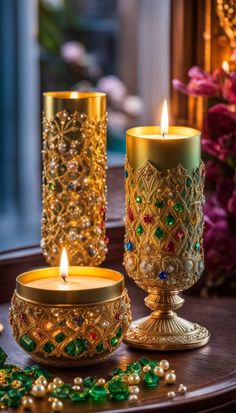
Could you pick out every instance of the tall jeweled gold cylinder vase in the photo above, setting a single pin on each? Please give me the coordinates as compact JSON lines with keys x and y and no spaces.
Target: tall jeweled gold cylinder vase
{"x":164,"y":182}
{"x":74,"y":172}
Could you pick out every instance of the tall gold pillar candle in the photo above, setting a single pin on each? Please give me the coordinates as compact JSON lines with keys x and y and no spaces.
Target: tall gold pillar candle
{"x":74,"y":172}
{"x":164,"y":181}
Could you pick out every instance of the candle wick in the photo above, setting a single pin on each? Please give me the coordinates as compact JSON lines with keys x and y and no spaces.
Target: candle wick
{"x":163,"y":135}
{"x":63,"y":276}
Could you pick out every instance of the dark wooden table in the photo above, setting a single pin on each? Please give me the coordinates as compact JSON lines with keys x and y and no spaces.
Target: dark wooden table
{"x":208,"y":372}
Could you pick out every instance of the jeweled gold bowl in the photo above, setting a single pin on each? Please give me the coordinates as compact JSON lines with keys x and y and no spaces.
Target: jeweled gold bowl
{"x":70,"y":328}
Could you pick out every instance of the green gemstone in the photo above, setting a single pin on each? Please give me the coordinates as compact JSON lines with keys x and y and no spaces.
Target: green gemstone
{"x":118,"y":389}
{"x":98,"y":392}
{"x":40,"y":371}
{"x":14,"y":394}
{"x":14,"y":402}
{"x":139,"y":229}
{"x":153,"y":363}
{"x":139,"y":199}
{"x":170,"y":220}
{"x":117,"y":371}
{"x":159,"y":233}
{"x":76,"y":347}
{"x":52,"y":186}
{"x":197,"y":246}
{"x":119,"y":333}
{"x":178,"y":207}
{"x":188,"y":182}
{"x":150,"y":379}
{"x":100,"y":348}
{"x":144,"y":361}
{"x":48,"y":347}
{"x":160,"y":204}
{"x":114,"y":341}
{"x":134,"y":368}
{"x":81,"y":396}
{"x":60,"y":337}
{"x":89,"y":381}
{"x":27,"y":343}
{"x":63,"y":391}
{"x":132,"y":184}
{"x":3,"y":357}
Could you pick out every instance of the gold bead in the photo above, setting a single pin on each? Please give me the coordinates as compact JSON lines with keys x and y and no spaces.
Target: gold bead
{"x":146,"y":369}
{"x":101,"y":381}
{"x":38,"y":390}
{"x":52,"y":399}
{"x":171,"y":394}
{"x":134,"y":389}
{"x":51,"y":387}
{"x":41,"y":380}
{"x":133,"y":398}
{"x":27,"y":402}
{"x":76,"y":387}
{"x":16,"y":384}
{"x":57,"y":406}
{"x":182,"y":389}
{"x":134,"y":378}
{"x":78,"y":380}
{"x":170,"y":378}
{"x":58,"y":381}
{"x":158,"y":371}
{"x":164,"y":364}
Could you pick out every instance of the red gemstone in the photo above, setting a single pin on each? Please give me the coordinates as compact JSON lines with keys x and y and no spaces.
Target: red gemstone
{"x":102,"y":225}
{"x":103,"y":210}
{"x":92,"y":336}
{"x":179,"y":234}
{"x":106,"y":239}
{"x":130,"y":215}
{"x":117,"y":316}
{"x":22,"y":317}
{"x":148,"y":219}
{"x":170,"y":247}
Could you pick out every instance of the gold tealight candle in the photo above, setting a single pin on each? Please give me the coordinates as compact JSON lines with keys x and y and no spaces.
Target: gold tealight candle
{"x":164,"y":226}
{"x":70,"y":316}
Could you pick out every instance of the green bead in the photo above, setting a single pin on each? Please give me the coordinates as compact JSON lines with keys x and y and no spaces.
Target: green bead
{"x":14,"y":394}
{"x":153,"y":363}
{"x":89,"y":381}
{"x":118,"y":389}
{"x":60,"y":337}
{"x":81,"y":396}
{"x":159,"y":204}
{"x":139,"y":199}
{"x":48,"y":347}
{"x":3,"y":357}
{"x":139,"y":229}
{"x":197,"y":246}
{"x":178,"y":207}
{"x":170,"y":220}
{"x":27,"y":343}
{"x":63,"y":391}
{"x":188,"y":182}
{"x":114,"y":341}
{"x":144,"y":361}
{"x":14,"y":402}
{"x":40,"y":371}
{"x":117,"y":371}
{"x":52,"y":186}
{"x":100,"y":348}
{"x":119,"y":333}
{"x":76,"y":347}
{"x":98,"y":392}
{"x":150,"y":379}
{"x":159,"y":233}
{"x":134,"y":368}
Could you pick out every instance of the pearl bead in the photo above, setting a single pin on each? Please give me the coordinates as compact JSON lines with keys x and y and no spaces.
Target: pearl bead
{"x":57,"y":406}
{"x":134,"y":389}
{"x":76,"y":387}
{"x":58,"y":381}
{"x":164,"y":364}
{"x":146,"y":369}
{"x":101,"y":381}
{"x":52,"y":399}
{"x":133,"y":398}
{"x":170,"y":378}
{"x":41,"y":380}
{"x":158,"y":371}
{"x":104,"y":324}
{"x":51,"y":386}
{"x":182,"y":389}
{"x":38,"y":390}
{"x":134,"y":378}
{"x":27,"y":402}
{"x":188,"y":265}
{"x":171,"y":394}
{"x":78,"y":380}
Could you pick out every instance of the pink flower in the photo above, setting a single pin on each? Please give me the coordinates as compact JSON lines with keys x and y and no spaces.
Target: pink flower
{"x":73,"y":52}
{"x":113,"y":87}
{"x":229,"y":88}
{"x":200,"y":84}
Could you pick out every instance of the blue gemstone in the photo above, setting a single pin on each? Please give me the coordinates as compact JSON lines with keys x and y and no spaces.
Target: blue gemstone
{"x":163,"y":275}
{"x":129,"y":246}
{"x":126,"y":173}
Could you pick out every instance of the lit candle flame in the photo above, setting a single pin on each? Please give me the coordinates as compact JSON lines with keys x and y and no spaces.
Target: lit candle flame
{"x":225,"y":66}
{"x":73,"y":95}
{"x":64,"y":265}
{"x":164,"y":119}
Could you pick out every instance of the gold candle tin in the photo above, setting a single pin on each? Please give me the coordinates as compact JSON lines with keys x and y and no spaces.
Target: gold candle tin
{"x":70,"y":328}
{"x":74,"y":172}
{"x":164,"y":183}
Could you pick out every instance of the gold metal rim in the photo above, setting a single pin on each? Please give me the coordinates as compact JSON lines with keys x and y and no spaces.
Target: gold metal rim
{"x":94,"y":295}
{"x":74,"y":95}
{"x":173,"y":130}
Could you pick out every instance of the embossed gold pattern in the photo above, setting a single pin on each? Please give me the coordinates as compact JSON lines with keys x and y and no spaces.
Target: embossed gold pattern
{"x":70,"y":335}
{"x":226,"y":10}
{"x":163,"y":250}
{"x":74,"y":189}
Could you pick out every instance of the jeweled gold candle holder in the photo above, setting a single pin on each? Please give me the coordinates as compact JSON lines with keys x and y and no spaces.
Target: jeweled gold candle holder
{"x":164,"y":182}
{"x":74,"y":172}
{"x":68,"y":328}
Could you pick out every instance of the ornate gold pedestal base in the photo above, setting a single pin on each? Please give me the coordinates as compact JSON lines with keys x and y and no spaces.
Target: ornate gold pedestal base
{"x":166,"y":333}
